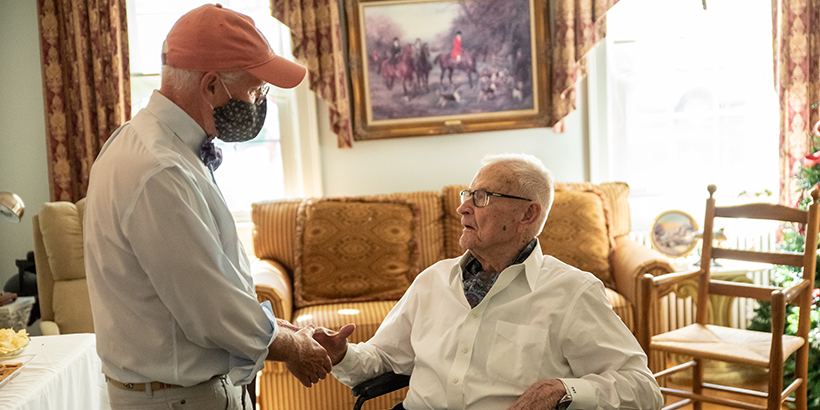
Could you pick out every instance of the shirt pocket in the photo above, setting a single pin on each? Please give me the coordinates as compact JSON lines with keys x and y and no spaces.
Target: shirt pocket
{"x":517,"y":353}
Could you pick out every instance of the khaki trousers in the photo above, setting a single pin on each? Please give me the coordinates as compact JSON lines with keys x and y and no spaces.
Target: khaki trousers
{"x":215,"y":394}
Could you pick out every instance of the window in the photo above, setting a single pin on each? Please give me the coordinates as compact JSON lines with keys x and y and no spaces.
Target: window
{"x":252,"y":171}
{"x":690,"y":101}
{"x":283,"y":160}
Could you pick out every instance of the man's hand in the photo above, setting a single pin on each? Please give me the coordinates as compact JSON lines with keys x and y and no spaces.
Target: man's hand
{"x":334,"y":342}
{"x":543,"y":395}
{"x":304,"y":357}
{"x":311,"y":363}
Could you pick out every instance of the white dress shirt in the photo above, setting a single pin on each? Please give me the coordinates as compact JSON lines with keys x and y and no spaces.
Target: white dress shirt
{"x":169,"y":281}
{"x":542,"y":319}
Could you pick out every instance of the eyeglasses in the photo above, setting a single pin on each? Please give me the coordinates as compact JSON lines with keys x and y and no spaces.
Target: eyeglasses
{"x":481,"y":197}
{"x":259,"y":93}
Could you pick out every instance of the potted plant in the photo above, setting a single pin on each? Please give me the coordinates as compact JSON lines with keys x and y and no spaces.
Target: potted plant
{"x":793,"y":239}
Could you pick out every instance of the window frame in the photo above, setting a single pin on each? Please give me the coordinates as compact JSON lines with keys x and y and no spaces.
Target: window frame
{"x":299,"y":134}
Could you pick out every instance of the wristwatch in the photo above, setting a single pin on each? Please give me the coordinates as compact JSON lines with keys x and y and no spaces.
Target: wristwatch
{"x":565,"y":401}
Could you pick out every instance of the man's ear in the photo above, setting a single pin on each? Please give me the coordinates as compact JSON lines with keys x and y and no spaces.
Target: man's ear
{"x":209,"y":87}
{"x":209,"y":92}
{"x":531,"y":214}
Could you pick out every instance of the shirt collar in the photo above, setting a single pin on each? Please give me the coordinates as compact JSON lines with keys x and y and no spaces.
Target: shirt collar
{"x":531,"y":256}
{"x":533,"y":264}
{"x":189,"y":132}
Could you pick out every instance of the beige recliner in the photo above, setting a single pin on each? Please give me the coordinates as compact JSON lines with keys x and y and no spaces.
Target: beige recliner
{"x":58,"y":254}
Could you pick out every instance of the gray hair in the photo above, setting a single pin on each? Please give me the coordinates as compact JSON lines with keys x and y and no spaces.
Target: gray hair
{"x":535,"y":181}
{"x":185,"y":81}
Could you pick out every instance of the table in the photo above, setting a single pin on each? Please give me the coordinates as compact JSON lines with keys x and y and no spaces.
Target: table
{"x":64,"y":375}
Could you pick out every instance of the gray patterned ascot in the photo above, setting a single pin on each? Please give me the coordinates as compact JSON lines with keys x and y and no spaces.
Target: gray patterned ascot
{"x":477,"y":282}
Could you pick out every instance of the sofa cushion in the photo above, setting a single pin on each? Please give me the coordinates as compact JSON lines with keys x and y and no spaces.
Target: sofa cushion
{"x":366,"y":315}
{"x":353,"y":250}
{"x":430,"y":230}
{"x":274,"y":231}
{"x":577,"y":231}
{"x":618,"y":194}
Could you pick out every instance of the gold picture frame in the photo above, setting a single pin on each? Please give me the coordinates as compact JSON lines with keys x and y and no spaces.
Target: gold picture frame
{"x":673,"y":234}
{"x":498,"y":81}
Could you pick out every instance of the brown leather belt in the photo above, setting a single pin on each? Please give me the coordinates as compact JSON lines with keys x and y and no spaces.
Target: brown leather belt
{"x":141,"y":386}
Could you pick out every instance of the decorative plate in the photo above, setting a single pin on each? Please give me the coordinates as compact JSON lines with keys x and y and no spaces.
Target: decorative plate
{"x":673,"y":234}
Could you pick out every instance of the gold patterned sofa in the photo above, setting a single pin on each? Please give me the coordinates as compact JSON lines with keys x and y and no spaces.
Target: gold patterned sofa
{"x":333,"y":261}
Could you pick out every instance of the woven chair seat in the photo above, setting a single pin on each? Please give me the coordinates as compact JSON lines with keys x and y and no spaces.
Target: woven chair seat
{"x":724,"y":344}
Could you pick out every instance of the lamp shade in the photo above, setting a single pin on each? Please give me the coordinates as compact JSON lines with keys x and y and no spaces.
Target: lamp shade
{"x":11,"y":206}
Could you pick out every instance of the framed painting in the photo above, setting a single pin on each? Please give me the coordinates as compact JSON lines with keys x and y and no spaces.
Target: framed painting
{"x":432,"y":67}
{"x":674,"y":234}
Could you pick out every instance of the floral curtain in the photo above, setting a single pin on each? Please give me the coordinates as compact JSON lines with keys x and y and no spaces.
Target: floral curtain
{"x":86,"y":85}
{"x":316,"y":34}
{"x":795,"y":29}
{"x":576,"y":26}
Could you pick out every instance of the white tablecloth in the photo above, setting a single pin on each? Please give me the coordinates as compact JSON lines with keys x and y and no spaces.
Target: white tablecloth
{"x":64,"y":375}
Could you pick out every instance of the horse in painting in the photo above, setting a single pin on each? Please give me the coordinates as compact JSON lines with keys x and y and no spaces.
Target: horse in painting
{"x":402,"y":70}
{"x":449,"y":64}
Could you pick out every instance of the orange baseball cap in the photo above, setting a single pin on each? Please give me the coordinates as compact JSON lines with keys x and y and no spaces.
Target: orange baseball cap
{"x":213,"y":38}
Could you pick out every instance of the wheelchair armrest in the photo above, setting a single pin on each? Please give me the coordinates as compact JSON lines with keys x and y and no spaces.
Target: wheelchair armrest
{"x":379,"y":385}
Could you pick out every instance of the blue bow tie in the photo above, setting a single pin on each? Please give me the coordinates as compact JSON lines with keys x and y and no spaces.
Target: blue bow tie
{"x":210,"y":154}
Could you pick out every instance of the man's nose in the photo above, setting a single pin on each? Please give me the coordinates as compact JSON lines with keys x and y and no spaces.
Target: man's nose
{"x":466,"y":207}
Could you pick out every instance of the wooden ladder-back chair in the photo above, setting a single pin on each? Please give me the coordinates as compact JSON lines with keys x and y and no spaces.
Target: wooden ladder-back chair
{"x":704,"y":341}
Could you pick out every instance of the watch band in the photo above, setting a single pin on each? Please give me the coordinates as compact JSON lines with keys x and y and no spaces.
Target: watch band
{"x":565,"y":401}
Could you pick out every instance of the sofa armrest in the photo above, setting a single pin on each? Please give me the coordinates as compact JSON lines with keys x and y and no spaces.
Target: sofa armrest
{"x":49,"y":328}
{"x":630,"y":261}
{"x":272,"y":283}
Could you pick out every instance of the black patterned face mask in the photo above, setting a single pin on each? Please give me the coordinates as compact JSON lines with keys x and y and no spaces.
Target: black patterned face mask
{"x":240,"y":121}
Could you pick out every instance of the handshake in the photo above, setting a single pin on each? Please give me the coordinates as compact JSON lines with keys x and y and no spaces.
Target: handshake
{"x":309,"y":353}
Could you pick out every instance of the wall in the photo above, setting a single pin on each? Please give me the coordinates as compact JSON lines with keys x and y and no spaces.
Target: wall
{"x":393,"y":165}
{"x":23,"y":161}
{"x":428,"y":163}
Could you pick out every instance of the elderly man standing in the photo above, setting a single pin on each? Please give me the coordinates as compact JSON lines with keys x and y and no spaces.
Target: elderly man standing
{"x":503,"y":326}
{"x":175,"y":312}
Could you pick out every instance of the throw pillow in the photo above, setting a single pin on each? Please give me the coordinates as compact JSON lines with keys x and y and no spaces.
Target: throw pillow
{"x":618,"y":194}
{"x":354,"y":250}
{"x":577,"y":231}
{"x":430,"y":234}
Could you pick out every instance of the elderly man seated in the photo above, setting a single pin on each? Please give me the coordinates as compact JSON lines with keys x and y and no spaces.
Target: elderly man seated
{"x":503,"y":326}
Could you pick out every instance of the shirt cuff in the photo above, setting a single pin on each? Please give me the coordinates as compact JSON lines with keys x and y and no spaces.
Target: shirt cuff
{"x":582,"y":392}
{"x":243,"y":369}
{"x":341,"y":369}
